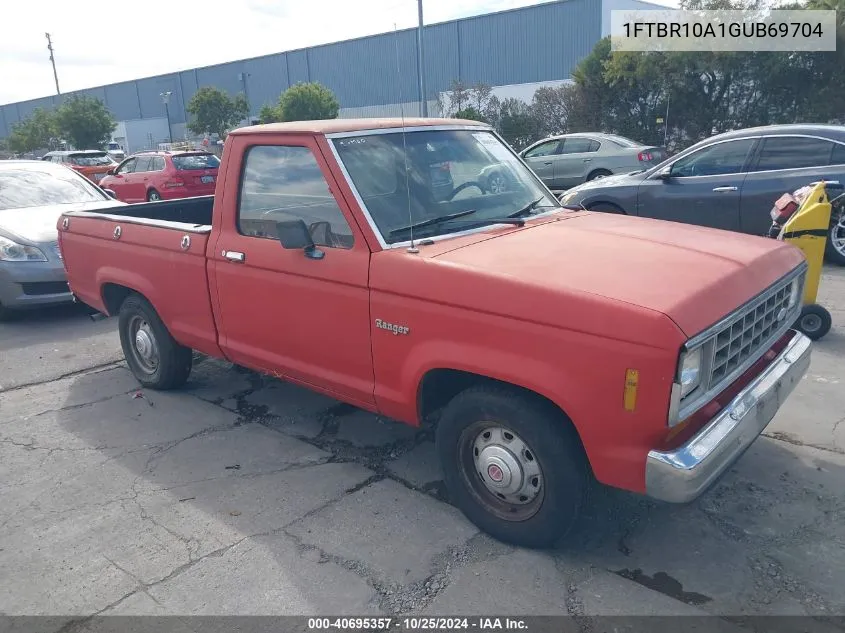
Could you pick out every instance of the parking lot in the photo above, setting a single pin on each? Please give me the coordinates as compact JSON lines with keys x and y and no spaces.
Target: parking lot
{"x":244,"y":495}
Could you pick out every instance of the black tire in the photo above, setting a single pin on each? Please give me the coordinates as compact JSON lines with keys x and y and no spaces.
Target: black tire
{"x":599,"y":173}
{"x":173,"y":361}
{"x":606,"y":207}
{"x":153,"y":196}
{"x":814,"y":322}
{"x":553,"y":443}
{"x":837,"y":230}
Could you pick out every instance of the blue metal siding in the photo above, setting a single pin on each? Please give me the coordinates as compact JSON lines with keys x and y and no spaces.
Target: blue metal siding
{"x":537,"y":43}
{"x":26,"y":108}
{"x":122,"y":101}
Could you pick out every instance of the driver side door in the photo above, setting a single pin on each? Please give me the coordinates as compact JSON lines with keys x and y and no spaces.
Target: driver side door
{"x":704,"y":187}
{"x":119,"y":183}
{"x":541,"y":160}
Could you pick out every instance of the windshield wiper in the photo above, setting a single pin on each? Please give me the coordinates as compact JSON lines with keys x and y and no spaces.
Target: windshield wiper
{"x":431,"y":221}
{"x":528,"y":208}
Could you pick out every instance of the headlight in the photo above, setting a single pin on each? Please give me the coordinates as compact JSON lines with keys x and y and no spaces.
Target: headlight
{"x":13,"y":252}
{"x":565,"y":198}
{"x":689,"y":372}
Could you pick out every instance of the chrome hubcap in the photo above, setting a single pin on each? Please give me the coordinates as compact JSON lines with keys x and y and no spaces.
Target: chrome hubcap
{"x":497,"y":184}
{"x":811,"y":322}
{"x":144,"y":346}
{"x":507,"y":466}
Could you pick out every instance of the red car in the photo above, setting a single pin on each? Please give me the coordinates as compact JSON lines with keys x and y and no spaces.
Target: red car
{"x":149,"y":176}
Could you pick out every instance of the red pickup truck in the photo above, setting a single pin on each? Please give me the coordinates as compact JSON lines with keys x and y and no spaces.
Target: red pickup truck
{"x":417,"y":267}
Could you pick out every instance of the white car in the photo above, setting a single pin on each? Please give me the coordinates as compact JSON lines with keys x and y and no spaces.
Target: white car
{"x":115,"y":151}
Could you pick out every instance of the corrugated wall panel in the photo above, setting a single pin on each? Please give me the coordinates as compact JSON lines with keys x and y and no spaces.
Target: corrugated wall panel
{"x":266,"y":79}
{"x":188,"y":85}
{"x":297,"y":66}
{"x":26,"y":108}
{"x":526,"y":46}
{"x":122,"y":100}
{"x":366,"y":71}
{"x":442,"y":61}
{"x":223,"y":76}
{"x":152,"y":105}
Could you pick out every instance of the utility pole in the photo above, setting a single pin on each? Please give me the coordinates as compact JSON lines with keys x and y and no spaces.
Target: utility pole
{"x":421,"y":60}
{"x":165,"y":97}
{"x":53,"y":61}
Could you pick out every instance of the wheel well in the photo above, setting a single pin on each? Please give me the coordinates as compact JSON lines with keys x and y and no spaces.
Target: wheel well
{"x":113,"y":297}
{"x":439,"y":386}
{"x":601,"y":170}
{"x":606,"y":207}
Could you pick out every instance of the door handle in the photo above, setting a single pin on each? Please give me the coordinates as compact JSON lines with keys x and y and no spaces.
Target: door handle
{"x":549,"y":163}
{"x":724,"y":189}
{"x":587,"y":160}
{"x":234,"y":256}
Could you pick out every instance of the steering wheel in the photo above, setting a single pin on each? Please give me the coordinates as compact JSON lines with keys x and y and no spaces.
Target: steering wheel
{"x":460,"y":188}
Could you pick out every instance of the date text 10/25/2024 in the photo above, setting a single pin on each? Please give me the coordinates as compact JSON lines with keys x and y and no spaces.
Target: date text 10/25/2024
{"x":431,"y":624}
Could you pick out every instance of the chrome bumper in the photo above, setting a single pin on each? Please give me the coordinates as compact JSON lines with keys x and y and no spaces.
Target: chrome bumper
{"x":681,"y":475}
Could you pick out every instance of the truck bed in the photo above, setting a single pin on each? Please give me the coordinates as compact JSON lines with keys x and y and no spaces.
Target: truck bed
{"x":156,"y":249}
{"x":194,"y":211}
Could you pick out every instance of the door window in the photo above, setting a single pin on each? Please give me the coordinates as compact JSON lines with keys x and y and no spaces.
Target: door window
{"x":143,"y":164}
{"x":128,"y":167}
{"x":578,"y":146}
{"x":544,"y":149}
{"x":718,"y":159}
{"x":282,"y":183}
{"x":838,"y":155}
{"x":793,"y":152}
{"x":157,"y":164}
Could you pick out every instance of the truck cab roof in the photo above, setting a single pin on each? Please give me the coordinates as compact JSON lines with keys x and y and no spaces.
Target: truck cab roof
{"x":341,"y":126}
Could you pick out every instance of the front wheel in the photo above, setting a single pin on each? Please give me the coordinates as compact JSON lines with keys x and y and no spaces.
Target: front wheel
{"x":153,"y":196}
{"x":814,"y":322}
{"x":512,"y":465}
{"x":835,"y":247}
{"x":155,"y":358}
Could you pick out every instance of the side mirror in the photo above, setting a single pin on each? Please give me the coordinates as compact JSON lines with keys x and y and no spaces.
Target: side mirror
{"x":294,"y":234}
{"x":112,"y":171}
{"x":665,"y":173}
{"x":110,"y":193}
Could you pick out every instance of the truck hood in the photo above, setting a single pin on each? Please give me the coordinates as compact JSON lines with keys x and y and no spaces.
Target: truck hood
{"x":37,"y":225}
{"x":693,"y":275}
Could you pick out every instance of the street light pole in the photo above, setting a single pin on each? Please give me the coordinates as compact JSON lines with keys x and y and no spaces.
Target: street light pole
{"x":53,"y":61}
{"x":165,"y":97}
{"x":421,"y":60}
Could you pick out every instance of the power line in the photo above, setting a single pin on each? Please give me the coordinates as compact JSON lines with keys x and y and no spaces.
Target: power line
{"x":53,"y":61}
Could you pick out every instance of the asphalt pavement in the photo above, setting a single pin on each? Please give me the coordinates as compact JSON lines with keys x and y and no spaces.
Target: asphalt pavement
{"x":242,"y":494}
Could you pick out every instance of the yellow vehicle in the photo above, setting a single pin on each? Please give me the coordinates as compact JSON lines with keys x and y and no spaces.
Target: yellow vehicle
{"x":803,"y":219}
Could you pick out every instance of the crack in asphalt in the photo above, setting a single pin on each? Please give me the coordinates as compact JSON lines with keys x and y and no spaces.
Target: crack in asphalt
{"x":95,"y":369}
{"x":789,"y":439}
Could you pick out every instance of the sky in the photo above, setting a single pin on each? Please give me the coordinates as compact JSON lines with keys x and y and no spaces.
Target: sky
{"x":98,"y":44}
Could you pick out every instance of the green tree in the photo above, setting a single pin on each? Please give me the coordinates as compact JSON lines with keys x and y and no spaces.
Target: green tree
{"x":269,"y":114}
{"x":38,"y":131}
{"x":85,"y":122}
{"x":308,"y":102}
{"x":517,"y":123}
{"x":471,"y":113}
{"x":213,"y":111}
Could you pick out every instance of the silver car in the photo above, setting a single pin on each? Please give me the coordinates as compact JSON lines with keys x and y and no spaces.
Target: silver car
{"x":570,"y":159}
{"x":33,"y":195}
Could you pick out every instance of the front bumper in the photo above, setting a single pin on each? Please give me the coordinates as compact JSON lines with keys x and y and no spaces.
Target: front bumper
{"x":681,"y":475}
{"x":33,"y":284}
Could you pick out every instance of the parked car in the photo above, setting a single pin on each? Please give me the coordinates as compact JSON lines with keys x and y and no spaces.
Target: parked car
{"x":555,"y":344}
{"x":115,"y":151}
{"x":570,"y":159}
{"x":729,"y":181}
{"x":91,"y":163}
{"x":163,"y":175}
{"x":33,"y":194}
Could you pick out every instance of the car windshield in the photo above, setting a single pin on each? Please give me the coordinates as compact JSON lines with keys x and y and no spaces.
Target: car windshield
{"x":27,"y":187}
{"x":187,"y":162}
{"x":90,"y":160}
{"x":411,"y":178}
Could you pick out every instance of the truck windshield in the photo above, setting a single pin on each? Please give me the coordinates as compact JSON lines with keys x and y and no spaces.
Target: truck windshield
{"x":28,"y":187}
{"x":438,"y":173}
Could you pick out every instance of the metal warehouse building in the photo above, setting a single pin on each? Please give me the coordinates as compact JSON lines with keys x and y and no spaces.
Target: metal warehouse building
{"x":514,"y":51}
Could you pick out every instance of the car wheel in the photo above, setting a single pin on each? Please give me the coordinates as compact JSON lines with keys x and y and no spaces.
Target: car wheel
{"x":606,"y":207}
{"x":497,"y":183}
{"x":835,"y":247}
{"x":599,"y":173}
{"x":512,"y":464}
{"x":153,"y":196}
{"x":155,"y":358}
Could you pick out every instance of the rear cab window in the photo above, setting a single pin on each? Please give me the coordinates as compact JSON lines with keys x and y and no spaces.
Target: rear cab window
{"x":189,"y":162}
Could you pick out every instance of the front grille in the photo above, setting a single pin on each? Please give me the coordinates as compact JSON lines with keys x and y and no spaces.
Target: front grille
{"x":45,"y":288}
{"x":747,"y":334}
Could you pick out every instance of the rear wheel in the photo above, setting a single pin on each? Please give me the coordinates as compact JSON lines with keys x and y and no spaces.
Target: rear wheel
{"x":153,"y":196}
{"x":835,"y":247}
{"x":814,"y":322}
{"x":153,"y":355}
{"x":512,"y":465}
